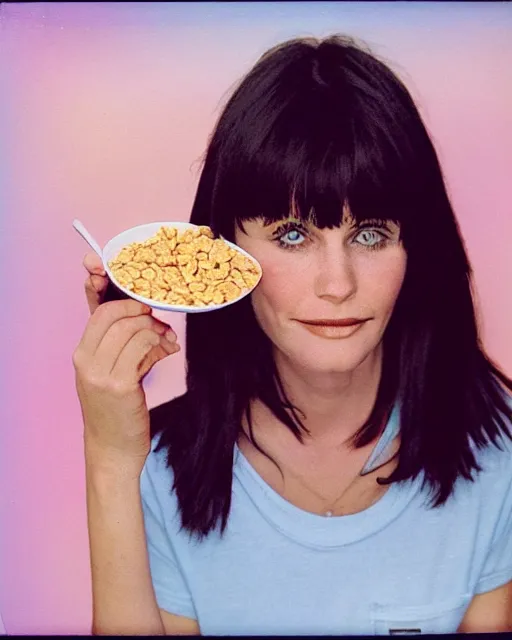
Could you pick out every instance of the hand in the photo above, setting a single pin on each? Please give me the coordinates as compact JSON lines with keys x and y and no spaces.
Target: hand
{"x":97,"y":281}
{"x":121,"y":343}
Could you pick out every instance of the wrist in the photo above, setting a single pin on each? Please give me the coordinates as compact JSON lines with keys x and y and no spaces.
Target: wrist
{"x":108,"y":463}
{"x":108,"y":486}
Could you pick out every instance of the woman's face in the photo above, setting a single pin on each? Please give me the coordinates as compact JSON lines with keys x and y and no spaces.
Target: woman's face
{"x":326,"y":296}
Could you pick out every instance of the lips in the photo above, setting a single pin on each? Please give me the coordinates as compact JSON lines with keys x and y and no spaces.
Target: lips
{"x":332,"y":329}
{"x":345,"y":322}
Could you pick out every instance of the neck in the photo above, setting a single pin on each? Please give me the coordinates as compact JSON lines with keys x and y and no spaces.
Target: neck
{"x":333,"y":405}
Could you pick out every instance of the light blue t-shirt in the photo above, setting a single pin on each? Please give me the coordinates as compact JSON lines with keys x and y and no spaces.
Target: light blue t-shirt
{"x":397,"y":567}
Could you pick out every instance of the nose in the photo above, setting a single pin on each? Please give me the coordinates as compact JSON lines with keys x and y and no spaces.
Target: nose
{"x":335,"y":279}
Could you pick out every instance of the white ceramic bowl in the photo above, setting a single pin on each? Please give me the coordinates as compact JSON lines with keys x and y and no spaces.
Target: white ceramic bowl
{"x":146,"y":231}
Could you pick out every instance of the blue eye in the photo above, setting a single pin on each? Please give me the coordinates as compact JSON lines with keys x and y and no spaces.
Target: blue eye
{"x":369,"y":238}
{"x":292,"y":237}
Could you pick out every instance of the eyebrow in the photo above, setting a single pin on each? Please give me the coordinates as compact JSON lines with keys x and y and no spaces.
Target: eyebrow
{"x":352,"y":223}
{"x":269,"y":223}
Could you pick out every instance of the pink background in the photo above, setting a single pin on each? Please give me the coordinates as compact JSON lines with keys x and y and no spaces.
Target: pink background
{"x":105,"y":113}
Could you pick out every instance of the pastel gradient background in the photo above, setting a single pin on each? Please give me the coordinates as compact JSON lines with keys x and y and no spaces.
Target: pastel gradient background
{"x":105,"y":112}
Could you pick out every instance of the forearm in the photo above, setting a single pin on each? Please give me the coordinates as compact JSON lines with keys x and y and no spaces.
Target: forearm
{"x":123,"y":597}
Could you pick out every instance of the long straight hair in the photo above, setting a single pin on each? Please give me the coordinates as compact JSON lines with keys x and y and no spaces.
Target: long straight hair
{"x":317,"y":125}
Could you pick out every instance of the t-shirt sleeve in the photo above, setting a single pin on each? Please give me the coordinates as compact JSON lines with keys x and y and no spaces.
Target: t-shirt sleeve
{"x":171,"y":590}
{"x":497,"y":569}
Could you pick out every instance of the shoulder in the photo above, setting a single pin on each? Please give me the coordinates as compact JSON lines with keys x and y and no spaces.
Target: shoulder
{"x":157,"y":479}
{"x":492,"y":483}
{"x":496,"y":457}
{"x":495,"y":463}
{"x":160,"y":504}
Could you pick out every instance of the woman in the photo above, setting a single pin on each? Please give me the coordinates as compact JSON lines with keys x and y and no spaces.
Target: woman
{"x":341,"y":460}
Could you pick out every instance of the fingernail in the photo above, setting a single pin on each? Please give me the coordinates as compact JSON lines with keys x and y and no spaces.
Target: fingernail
{"x":170,"y":335}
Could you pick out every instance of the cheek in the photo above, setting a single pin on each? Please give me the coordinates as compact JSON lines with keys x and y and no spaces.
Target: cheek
{"x":277,"y":289}
{"x":273,"y":292}
{"x":383,"y":281}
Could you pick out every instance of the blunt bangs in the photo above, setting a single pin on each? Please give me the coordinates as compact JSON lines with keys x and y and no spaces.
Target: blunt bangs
{"x":320,"y":135}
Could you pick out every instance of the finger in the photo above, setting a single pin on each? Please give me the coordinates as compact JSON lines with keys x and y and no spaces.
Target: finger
{"x":104,"y":316}
{"x":169,"y":334}
{"x":156,"y":354}
{"x":95,"y":288}
{"x":140,"y":354}
{"x":118,"y":336}
{"x":94,"y":264}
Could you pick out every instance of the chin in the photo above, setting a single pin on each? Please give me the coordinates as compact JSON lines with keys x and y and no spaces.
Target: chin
{"x":329,"y":361}
{"x":325,"y":356}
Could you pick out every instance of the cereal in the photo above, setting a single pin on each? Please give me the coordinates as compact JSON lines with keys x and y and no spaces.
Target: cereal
{"x":183,"y":258}
{"x":125,"y":256}
{"x":170,"y":233}
{"x":186,"y":268}
{"x":148,"y":274}
{"x":195,"y":287}
{"x":221,"y":272}
{"x":203,"y":244}
{"x":166,"y":260}
{"x":220,"y":252}
{"x":132,"y":271}
{"x":206,"y":231}
{"x":236,"y":277}
{"x":158,"y":294}
{"x":229,"y":290}
{"x":144,"y":254}
{"x":171,"y":275}
{"x":250,"y":279}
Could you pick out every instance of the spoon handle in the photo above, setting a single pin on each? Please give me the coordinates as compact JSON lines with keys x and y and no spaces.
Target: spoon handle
{"x":88,"y":237}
